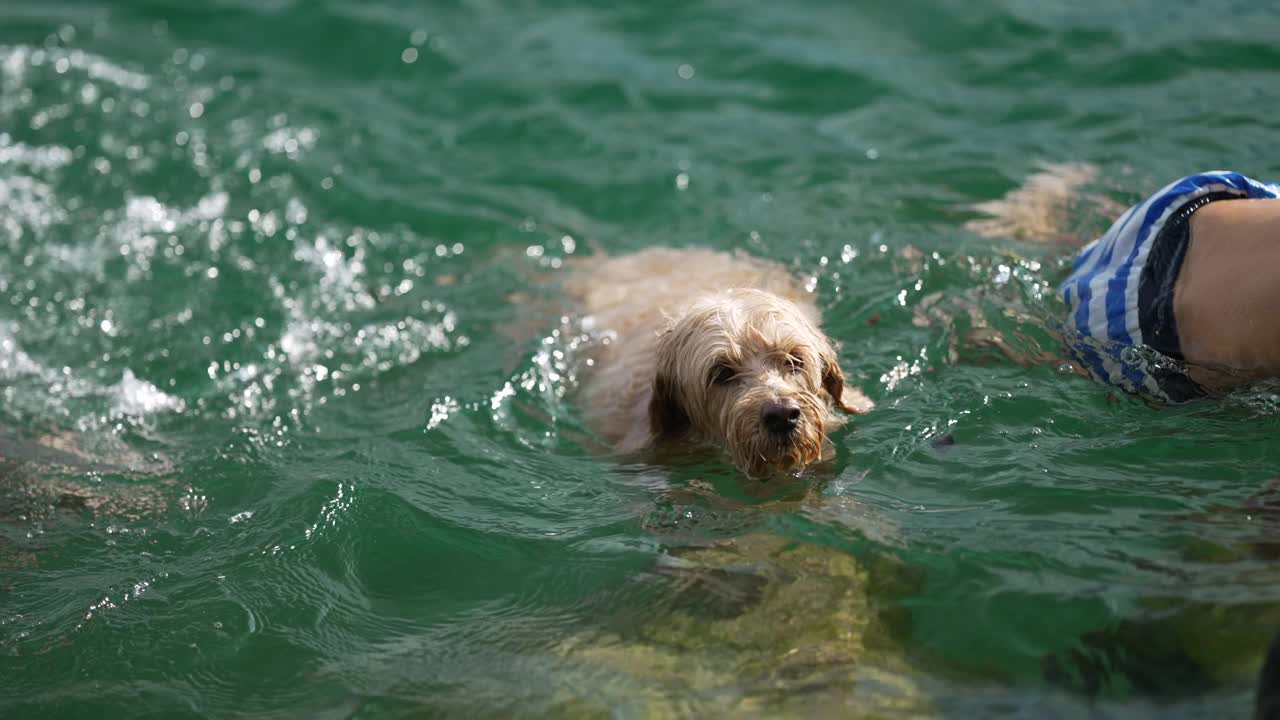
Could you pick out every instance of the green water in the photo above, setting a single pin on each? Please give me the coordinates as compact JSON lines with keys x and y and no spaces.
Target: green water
{"x":285,"y":432}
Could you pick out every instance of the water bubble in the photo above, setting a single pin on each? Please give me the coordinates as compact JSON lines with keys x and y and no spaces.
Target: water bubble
{"x":409,"y":56}
{"x":685,"y":71}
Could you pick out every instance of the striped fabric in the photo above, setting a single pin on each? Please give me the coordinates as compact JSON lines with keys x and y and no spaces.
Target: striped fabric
{"x":1102,"y":290}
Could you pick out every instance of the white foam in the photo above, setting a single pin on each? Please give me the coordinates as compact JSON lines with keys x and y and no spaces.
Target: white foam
{"x":135,"y":397}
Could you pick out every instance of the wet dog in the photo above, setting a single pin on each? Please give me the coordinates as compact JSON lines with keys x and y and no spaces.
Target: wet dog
{"x":710,"y":348}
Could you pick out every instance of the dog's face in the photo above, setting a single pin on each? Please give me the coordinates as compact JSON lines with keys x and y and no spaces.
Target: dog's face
{"x":749,"y":371}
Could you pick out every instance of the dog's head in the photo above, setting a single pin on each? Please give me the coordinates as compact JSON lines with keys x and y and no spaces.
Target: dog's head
{"x":750,"y":371}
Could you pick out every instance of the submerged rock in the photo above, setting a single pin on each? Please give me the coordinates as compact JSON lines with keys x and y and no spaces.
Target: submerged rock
{"x":759,"y":626}
{"x":1175,"y":646}
{"x":54,"y":476}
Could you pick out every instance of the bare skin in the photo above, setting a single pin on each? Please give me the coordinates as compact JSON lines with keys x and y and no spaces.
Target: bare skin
{"x":1227,"y":298}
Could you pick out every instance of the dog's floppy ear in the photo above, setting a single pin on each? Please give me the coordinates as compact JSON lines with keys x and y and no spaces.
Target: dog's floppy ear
{"x":848,"y":399}
{"x":666,"y":415}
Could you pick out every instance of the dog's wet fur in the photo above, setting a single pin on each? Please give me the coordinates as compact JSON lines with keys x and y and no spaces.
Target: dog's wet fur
{"x":710,"y":348}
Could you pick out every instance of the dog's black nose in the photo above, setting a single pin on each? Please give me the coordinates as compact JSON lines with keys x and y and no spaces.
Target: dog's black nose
{"x":780,"y":416}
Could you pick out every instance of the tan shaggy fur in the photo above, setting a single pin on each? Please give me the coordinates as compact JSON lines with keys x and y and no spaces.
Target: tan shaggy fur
{"x":698,"y":342}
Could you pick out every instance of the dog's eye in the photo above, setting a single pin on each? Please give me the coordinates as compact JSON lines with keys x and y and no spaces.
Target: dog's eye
{"x":723,"y":374}
{"x":795,"y":364}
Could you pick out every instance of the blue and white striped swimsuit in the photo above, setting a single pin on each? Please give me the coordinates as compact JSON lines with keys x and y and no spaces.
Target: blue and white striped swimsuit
{"x":1121,"y":302}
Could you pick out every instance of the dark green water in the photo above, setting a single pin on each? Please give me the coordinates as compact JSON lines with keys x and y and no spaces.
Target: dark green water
{"x":272,"y":448}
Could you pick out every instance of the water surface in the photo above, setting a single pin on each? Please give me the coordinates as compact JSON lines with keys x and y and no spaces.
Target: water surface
{"x":288,"y":420}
